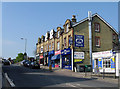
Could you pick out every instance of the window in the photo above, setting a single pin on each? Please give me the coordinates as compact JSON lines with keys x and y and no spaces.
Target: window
{"x":97,"y":41}
{"x":106,"y":63}
{"x":58,"y":45}
{"x":52,"y":45}
{"x":114,"y":37}
{"x":69,"y":37}
{"x":97,"y":27}
{"x":67,"y":28}
{"x":65,"y":42}
{"x":41,"y":49}
{"x":58,"y":34}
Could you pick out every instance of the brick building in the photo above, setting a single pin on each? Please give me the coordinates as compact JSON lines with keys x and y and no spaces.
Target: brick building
{"x":64,"y":49}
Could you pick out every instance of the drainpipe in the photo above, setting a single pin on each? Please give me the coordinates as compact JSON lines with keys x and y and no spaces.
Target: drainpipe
{"x":90,"y":36}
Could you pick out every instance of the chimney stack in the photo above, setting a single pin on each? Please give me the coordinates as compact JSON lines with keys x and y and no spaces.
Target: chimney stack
{"x":73,"y":18}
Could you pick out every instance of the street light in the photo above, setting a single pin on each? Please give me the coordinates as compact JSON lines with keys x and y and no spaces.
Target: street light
{"x":25,"y":42}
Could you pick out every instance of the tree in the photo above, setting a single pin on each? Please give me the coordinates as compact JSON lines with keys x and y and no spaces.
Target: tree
{"x":20,"y":57}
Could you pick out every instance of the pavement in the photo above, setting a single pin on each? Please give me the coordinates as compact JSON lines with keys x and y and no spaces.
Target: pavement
{"x":0,"y":73}
{"x":107,"y":77}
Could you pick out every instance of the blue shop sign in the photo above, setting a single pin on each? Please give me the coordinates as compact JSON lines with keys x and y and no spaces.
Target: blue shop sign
{"x":79,"y":41}
{"x":51,"y":52}
{"x":66,"y":51}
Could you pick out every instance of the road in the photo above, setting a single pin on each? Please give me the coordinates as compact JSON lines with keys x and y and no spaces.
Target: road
{"x":26,"y":77}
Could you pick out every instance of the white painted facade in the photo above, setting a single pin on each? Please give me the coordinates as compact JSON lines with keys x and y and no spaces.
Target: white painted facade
{"x":106,"y":61}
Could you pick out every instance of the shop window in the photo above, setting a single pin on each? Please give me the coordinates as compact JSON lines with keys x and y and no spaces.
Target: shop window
{"x":97,"y":41}
{"x":65,"y":42}
{"x":106,"y":63}
{"x":58,"y":45}
{"x":67,"y":28}
{"x":97,"y":27}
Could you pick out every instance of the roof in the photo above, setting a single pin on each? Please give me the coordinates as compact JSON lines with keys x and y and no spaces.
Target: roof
{"x":98,"y":17}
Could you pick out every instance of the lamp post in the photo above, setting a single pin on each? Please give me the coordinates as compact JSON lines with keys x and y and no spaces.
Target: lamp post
{"x":25,"y":42}
{"x":25,"y":54}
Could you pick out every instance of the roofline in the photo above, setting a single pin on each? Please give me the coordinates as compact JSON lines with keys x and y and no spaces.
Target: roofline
{"x":100,"y":18}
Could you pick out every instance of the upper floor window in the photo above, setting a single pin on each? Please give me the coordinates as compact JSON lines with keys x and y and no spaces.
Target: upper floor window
{"x":52,"y":45}
{"x":67,"y":28}
{"x":58,"y":45}
{"x":58,"y":34}
{"x":65,"y":42}
{"x":114,"y":37}
{"x":97,"y":41}
{"x":97,"y":27}
{"x":69,"y":37}
{"x":41,"y":49}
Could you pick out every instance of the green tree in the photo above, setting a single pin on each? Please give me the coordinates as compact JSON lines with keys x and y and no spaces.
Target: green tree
{"x":20,"y":57}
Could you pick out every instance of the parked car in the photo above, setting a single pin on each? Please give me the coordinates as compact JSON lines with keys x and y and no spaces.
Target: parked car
{"x":34,"y":65}
{"x":21,"y":63}
{"x":27,"y":63}
{"x":3,"y":60}
{"x":6,"y":62}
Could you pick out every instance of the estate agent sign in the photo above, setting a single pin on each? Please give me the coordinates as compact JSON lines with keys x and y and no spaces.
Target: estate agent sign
{"x":79,"y":41}
{"x":78,"y":55}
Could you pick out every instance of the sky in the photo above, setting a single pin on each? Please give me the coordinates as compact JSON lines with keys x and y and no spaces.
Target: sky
{"x":31,"y":20}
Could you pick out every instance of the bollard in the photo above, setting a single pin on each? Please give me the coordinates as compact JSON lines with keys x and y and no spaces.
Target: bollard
{"x":50,"y":67}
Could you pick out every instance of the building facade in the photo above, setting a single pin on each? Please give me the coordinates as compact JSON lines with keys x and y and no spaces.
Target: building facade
{"x":68,"y":47}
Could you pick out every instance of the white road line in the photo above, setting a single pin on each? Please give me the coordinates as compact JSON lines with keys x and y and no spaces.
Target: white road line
{"x":9,"y":80}
{"x":68,"y":84}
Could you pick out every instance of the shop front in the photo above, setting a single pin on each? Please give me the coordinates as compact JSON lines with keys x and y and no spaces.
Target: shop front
{"x":50,"y":55}
{"x":41,"y":61}
{"x":45,"y":55}
{"x":56,"y":59}
{"x":104,"y":61}
{"x":66,"y":59}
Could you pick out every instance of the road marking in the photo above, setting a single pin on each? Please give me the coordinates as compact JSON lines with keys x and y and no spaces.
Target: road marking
{"x":9,"y":80}
{"x":68,"y":84}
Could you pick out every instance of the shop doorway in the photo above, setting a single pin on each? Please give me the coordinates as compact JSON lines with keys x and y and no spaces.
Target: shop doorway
{"x":66,"y":62}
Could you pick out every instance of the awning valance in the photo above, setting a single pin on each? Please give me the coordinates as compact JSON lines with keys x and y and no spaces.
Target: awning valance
{"x":55,"y":57}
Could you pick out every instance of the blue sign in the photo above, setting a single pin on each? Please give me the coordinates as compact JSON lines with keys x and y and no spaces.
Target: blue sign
{"x":100,"y":63}
{"x":66,"y":51}
{"x":79,"y":41}
{"x":112,"y":62}
{"x":51,"y":52}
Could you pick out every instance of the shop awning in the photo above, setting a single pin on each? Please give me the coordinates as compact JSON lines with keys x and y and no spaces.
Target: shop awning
{"x":55,"y":57}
